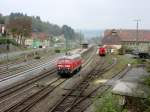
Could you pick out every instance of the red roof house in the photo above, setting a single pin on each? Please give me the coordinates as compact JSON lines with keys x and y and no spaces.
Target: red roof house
{"x":39,"y":35}
{"x":127,"y":37}
{"x":118,"y":36}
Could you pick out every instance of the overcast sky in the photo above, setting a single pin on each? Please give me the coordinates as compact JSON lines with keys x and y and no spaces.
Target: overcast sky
{"x":84,"y":14}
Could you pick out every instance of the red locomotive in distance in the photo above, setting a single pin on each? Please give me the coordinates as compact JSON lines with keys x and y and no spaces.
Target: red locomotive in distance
{"x":68,"y":65}
{"x":102,"y":51}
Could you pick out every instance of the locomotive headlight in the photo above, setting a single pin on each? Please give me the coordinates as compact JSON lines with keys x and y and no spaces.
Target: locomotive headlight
{"x":98,"y":81}
{"x":60,"y":66}
{"x":68,"y":66}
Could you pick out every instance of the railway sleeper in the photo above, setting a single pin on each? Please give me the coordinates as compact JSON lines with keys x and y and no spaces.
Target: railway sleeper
{"x":81,"y":96}
{"x":63,"y":107}
{"x":76,"y":89}
{"x":69,"y":89}
{"x":82,"y":87}
{"x":84,"y":82}
{"x":81,"y":108}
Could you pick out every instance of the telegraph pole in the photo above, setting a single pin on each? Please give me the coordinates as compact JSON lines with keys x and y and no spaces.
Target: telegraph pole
{"x":66,"y":43}
{"x":7,"y":47}
{"x":137,"y":32}
{"x":80,"y":39}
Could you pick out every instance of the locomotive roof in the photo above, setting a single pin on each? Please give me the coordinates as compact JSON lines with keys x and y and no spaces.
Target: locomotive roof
{"x":71,"y":56}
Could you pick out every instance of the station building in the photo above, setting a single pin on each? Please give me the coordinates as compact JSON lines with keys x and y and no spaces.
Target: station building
{"x":116,"y":38}
{"x":84,"y":45}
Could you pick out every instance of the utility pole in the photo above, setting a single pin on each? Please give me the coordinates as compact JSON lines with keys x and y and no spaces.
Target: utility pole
{"x":80,"y":39}
{"x":7,"y":48}
{"x":66,"y":44}
{"x":137,"y":32}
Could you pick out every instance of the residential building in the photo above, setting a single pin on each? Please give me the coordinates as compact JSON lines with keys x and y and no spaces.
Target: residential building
{"x":38,"y":39}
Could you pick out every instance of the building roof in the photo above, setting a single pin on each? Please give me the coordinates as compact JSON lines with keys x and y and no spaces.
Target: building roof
{"x":125,"y":35}
{"x":131,"y":89}
{"x":110,"y":47}
{"x":71,"y":56}
{"x":39,"y":35}
{"x":111,"y":37}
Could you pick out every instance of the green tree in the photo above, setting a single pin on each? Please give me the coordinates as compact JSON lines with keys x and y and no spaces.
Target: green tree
{"x":20,"y":27}
{"x":2,"y":20}
{"x":40,"y":26}
{"x":122,"y":50}
{"x":68,"y":32}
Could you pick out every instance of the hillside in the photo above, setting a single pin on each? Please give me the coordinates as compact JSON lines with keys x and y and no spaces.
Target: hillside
{"x":19,"y":23}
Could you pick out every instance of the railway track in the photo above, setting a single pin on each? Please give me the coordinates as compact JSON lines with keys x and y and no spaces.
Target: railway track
{"x":28,"y":67}
{"x":24,"y":68}
{"x":30,"y":57}
{"x":32,"y":68}
{"x":7,"y":66}
{"x":23,"y":105}
{"x":27,"y":82}
{"x":80,"y":106}
{"x":17,"y":63}
{"x":4,"y":66}
{"x":34,"y":79}
{"x":73,"y":96}
{"x":23,"y":101}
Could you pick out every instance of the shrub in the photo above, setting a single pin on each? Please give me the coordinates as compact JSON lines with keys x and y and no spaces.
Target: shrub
{"x":109,"y":103}
{"x":148,"y":66}
{"x":37,"y":57}
{"x":146,"y":103}
{"x":121,"y":51}
{"x":8,"y":41}
{"x":125,"y":110}
{"x":57,"y":50}
{"x":147,"y":81}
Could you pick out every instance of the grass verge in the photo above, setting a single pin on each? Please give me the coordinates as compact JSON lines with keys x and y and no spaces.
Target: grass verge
{"x":110,"y":102}
{"x":122,"y":62}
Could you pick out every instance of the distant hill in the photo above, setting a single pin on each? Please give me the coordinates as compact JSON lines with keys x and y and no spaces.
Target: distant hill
{"x":91,"y":33}
{"x":19,"y":23}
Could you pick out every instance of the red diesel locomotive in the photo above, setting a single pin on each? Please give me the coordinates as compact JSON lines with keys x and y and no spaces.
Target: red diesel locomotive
{"x":102,"y":51}
{"x":68,"y":65}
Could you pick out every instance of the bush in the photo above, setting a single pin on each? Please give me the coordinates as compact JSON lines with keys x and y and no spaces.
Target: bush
{"x":147,"y":81}
{"x":129,"y":50}
{"x":121,"y":51}
{"x":148,"y":66}
{"x":146,"y":102}
{"x":109,"y":103}
{"x":57,"y":50}
{"x":125,"y":110}
{"x":8,"y":41}
{"x":37,"y":57}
